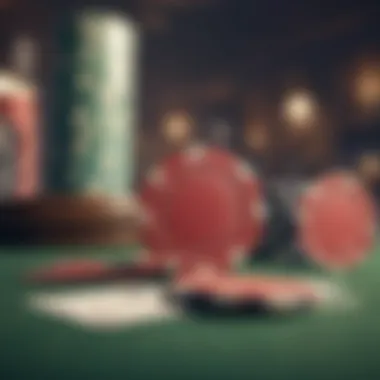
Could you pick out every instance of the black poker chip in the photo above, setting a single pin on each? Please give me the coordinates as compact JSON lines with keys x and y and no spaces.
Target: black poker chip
{"x":215,"y":295}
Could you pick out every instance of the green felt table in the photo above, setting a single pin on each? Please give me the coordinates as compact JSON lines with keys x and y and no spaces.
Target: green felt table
{"x":344,"y":344}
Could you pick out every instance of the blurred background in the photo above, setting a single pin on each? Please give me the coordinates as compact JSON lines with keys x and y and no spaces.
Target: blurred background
{"x":93,"y":93}
{"x":293,"y":87}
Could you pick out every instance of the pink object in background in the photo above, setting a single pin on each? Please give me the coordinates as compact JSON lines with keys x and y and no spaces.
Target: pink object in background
{"x":19,"y":105}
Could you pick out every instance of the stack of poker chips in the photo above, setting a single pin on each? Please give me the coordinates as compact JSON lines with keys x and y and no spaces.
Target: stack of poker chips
{"x":92,"y":133}
{"x":90,"y":138}
{"x":19,"y":142}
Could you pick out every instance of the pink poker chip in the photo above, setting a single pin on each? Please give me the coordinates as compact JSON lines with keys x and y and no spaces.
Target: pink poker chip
{"x":337,"y":221}
{"x":202,"y":205}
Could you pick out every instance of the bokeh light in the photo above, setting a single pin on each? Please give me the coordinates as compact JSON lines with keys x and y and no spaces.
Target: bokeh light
{"x":299,"y":109}
{"x":177,"y":127}
{"x":367,"y":85}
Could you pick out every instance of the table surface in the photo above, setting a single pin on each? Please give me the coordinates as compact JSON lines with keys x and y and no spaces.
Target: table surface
{"x":342,"y":344}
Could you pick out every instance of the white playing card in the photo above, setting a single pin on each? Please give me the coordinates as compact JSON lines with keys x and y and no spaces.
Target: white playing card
{"x":106,"y":307}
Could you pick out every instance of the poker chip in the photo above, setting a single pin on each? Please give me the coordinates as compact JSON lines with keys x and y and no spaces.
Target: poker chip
{"x":336,"y":221}
{"x":201,"y":280}
{"x":96,"y":155}
{"x":93,"y":270}
{"x":201,"y":205}
{"x":19,"y":106}
{"x":211,"y":293}
{"x":8,"y":160}
{"x":70,"y":271}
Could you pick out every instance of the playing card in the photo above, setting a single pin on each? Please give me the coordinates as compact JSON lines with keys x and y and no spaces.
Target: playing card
{"x":106,"y":307}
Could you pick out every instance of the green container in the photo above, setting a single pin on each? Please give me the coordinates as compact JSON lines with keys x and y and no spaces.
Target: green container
{"x":92,"y":136}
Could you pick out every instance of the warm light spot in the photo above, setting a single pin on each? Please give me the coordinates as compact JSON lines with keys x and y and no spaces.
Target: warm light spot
{"x":299,"y":109}
{"x":177,"y":127}
{"x":367,"y":86}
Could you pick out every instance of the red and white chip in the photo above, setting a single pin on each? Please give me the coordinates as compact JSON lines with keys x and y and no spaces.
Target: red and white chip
{"x":93,"y":270}
{"x":202,"y":205}
{"x":236,"y":293}
{"x":203,"y":280}
{"x":71,"y":271}
{"x":337,"y":220}
{"x":266,"y":289}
